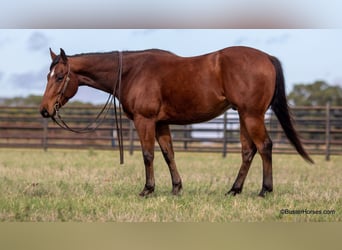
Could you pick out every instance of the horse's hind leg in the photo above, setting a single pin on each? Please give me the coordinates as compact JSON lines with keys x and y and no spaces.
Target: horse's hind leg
{"x":248,"y":151}
{"x":163,"y":136}
{"x":256,"y":130}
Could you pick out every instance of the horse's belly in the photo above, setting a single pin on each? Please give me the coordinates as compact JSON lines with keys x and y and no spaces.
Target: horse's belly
{"x":194,"y":114}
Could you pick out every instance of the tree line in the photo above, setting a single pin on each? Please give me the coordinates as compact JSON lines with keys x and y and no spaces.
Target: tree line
{"x":318,"y":93}
{"x":34,"y":101}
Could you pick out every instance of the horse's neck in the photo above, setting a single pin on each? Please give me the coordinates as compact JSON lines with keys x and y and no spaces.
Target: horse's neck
{"x":97,"y":71}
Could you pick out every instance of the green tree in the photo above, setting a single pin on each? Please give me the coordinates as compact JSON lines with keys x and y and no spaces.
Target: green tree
{"x":315,"y":94}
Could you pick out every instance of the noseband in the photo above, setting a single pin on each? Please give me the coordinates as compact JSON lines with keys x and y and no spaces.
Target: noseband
{"x":92,"y":126}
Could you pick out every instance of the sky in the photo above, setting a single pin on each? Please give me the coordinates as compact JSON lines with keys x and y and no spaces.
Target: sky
{"x":306,"y":55}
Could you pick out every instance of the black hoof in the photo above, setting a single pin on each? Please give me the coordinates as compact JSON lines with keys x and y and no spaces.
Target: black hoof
{"x":146,"y":191}
{"x":264,"y":192}
{"x":234,"y":191}
{"x":176,"y":188}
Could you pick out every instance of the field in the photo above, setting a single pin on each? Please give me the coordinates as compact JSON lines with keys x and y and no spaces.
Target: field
{"x":90,"y":185}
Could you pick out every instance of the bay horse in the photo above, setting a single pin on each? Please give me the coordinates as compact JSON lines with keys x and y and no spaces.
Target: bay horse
{"x":158,"y":88}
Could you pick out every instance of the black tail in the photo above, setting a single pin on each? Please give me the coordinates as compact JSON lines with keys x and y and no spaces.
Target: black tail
{"x":281,"y":109}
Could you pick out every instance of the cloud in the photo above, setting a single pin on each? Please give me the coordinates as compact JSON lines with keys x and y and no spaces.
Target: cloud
{"x":29,"y":81}
{"x":38,"y":41}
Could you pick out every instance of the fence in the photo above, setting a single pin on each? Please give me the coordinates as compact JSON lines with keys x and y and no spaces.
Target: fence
{"x":320,"y":129}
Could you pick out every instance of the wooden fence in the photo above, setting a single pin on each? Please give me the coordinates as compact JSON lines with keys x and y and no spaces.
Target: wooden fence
{"x":320,"y":129}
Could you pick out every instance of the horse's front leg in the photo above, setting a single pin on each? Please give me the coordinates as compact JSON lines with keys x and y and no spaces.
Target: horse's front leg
{"x":163,"y":136}
{"x":146,"y":131}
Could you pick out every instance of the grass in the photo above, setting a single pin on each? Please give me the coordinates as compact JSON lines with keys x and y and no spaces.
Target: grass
{"x":90,"y":185}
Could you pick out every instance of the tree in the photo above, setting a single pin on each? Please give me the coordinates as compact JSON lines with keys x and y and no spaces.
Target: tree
{"x":315,"y":94}
{"x":31,"y":100}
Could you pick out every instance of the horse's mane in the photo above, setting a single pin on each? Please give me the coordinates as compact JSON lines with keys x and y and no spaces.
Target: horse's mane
{"x":56,"y":60}
{"x":124,"y":51}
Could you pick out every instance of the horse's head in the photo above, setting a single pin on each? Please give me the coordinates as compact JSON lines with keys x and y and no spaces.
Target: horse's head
{"x":61,"y":85}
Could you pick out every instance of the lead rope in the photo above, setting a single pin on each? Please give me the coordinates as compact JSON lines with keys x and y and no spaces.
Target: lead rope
{"x":119,"y":123}
{"x":90,"y":127}
{"x":105,"y":110}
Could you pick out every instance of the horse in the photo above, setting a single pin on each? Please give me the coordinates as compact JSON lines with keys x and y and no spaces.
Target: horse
{"x":157,"y":88}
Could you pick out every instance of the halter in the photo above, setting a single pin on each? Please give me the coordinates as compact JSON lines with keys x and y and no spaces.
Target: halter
{"x":92,"y":126}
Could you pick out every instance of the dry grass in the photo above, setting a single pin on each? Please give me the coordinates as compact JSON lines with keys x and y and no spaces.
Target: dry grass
{"x":89,"y":185}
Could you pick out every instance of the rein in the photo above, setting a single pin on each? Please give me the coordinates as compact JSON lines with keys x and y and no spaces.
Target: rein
{"x":92,"y":126}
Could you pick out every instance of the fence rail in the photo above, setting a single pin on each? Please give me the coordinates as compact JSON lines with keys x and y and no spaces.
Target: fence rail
{"x":320,"y":128}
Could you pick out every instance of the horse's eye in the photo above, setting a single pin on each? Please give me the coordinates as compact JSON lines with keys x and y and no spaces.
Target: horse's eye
{"x":59,"y":78}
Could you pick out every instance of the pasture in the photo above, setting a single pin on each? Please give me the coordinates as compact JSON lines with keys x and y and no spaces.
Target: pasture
{"x":90,"y":185}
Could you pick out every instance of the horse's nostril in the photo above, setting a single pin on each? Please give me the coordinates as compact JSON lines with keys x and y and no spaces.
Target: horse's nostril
{"x":45,"y":113}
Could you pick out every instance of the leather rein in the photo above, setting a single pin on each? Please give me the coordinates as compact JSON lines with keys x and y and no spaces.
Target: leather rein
{"x":101,"y":116}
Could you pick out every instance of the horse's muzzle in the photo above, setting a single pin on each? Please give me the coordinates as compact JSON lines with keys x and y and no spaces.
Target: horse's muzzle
{"x":44,"y":113}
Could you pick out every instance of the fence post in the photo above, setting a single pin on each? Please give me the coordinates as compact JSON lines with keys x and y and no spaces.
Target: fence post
{"x":225,"y":121}
{"x":327,"y":132}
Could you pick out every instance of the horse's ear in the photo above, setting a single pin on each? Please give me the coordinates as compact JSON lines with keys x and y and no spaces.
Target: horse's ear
{"x":63,"y":56}
{"x":52,"y":54}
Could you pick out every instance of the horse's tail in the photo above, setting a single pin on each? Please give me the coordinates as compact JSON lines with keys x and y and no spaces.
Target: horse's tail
{"x":281,"y":109}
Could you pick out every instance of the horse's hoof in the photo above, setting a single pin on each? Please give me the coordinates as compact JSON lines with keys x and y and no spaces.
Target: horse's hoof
{"x":264,"y":192}
{"x":146,"y":191}
{"x":177,"y":188}
{"x":233,"y":192}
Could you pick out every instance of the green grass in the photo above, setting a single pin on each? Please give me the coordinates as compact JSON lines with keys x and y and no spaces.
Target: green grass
{"x":90,"y":185}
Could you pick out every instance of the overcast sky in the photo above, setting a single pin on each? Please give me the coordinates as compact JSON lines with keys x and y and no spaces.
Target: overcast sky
{"x":307,"y":55}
